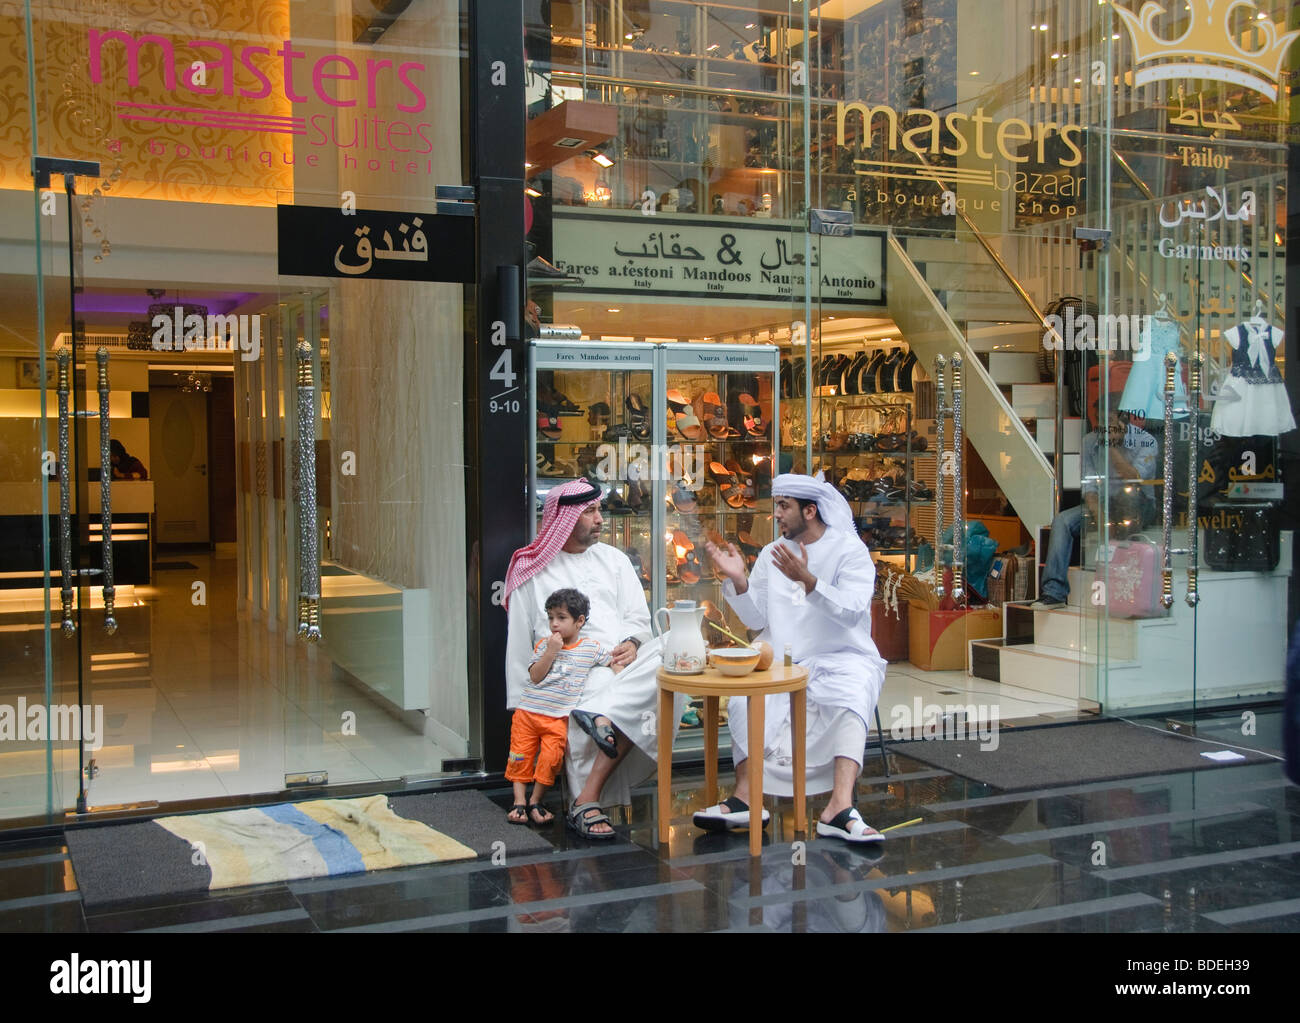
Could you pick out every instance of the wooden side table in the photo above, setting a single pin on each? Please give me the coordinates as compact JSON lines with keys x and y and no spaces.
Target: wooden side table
{"x":712,"y":684}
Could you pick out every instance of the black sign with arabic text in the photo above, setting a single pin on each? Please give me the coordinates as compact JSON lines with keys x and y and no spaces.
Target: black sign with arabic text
{"x":315,"y":241}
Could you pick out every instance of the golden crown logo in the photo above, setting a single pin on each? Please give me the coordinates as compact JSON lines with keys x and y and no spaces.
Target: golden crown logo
{"x":1209,"y":42}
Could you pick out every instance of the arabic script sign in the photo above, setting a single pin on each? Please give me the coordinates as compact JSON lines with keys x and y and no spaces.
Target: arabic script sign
{"x":725,"y":258}
{"x":318,"y":241}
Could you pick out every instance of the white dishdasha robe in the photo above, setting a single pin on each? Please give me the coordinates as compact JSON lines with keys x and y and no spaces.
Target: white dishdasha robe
{"x":829,"y":632}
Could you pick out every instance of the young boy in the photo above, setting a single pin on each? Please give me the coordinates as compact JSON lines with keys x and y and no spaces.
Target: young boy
{"x":539,"y":728}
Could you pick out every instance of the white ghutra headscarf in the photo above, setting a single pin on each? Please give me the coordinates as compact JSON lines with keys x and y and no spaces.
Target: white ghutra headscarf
{"x":831,"y":504}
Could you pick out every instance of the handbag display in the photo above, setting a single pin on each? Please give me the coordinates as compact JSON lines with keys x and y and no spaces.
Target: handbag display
{"x":1133,"y":579}
{"x":1240,"y":536}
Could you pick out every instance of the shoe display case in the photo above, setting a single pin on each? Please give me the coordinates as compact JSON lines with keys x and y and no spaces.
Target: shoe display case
{"x":679,"y":438}
{"x":589,"y":411}
{"x":866,"y":439}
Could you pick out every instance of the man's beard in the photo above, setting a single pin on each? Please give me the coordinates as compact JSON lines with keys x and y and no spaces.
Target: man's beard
{"x":795,"y":531}
{"x":586,"y":538}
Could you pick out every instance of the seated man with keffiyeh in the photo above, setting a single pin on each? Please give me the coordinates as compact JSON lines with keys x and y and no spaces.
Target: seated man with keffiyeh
{"x":612,"y":742}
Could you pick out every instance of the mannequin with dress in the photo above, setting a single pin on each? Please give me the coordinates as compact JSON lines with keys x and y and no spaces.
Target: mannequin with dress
{"x":1144,"y":391}
{"x":1253,"y":400}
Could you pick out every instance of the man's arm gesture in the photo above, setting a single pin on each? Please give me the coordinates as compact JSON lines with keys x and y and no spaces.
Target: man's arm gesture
{"x":729,"y":562}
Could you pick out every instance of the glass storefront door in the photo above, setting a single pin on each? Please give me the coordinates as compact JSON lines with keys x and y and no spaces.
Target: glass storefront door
{"x":276,"y":451}
{"x":1183,"y":410}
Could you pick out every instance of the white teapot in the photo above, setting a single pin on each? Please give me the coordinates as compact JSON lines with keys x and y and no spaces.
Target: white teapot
{"x":683,"y":647}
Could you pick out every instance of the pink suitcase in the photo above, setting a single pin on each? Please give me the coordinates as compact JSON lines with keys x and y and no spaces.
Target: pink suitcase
{"x":1132,"y":574}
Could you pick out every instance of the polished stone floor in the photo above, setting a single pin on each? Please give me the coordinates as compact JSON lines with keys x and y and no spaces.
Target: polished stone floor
{"x":1210,"y":851}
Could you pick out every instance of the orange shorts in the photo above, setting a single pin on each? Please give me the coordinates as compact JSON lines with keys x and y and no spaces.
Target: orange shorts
{"x":536,"y":736}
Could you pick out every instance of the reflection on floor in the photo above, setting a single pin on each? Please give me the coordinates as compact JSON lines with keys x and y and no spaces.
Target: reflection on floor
{"x":1207,"y":851}
{"x":200,"y":702}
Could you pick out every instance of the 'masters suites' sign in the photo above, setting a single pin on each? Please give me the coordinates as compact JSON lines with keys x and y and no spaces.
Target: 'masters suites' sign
{"x":727,"y":258}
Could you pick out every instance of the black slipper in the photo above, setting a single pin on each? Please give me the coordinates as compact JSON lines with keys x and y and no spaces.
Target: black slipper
{"x":518,"y":806}
{"x":601,"y":735}
{"x":538,"y":808}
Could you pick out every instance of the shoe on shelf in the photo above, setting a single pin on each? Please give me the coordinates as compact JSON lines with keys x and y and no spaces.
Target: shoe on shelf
{"x":1047,"y":604}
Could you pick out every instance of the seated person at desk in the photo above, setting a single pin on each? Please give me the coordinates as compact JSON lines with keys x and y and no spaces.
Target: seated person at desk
{"x":125,"y":466}
{"x":1122,"y":456}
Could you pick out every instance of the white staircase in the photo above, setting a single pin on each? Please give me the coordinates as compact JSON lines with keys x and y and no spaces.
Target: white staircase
{"x":1149,"y":661}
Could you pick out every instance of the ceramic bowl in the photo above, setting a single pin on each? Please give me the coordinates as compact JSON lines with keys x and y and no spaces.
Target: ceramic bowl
{"x":733,"y":662}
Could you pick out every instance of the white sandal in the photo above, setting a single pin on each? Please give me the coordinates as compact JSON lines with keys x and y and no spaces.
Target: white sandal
{"x":730,"y":813}
{"x":849,"y":825}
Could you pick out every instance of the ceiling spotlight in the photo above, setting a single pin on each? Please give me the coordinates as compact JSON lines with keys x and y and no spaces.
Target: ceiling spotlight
{"x":531,"y":192}
{"x":600,"y":158}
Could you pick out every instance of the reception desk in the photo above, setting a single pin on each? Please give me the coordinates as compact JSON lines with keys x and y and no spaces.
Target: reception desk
{"x":21,"y":561}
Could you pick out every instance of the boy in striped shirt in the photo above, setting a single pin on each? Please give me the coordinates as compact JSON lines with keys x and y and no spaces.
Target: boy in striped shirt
{"x":539,"y":729}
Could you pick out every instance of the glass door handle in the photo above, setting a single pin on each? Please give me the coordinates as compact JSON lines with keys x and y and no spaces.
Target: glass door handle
{"x":940,"y":413}
{"x":1167,"y":534}
{"x":69,"y":626}
{"x":1193,"y":465}
{"x":308,"y":539}
{"x":106,"y":492}
{"x":958,"y":493}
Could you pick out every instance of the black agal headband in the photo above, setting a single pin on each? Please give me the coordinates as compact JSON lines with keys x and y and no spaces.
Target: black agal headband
{"x":568,"y":500}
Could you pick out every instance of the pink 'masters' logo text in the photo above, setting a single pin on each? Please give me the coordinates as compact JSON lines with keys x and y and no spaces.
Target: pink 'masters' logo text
{"x":270,"y":70}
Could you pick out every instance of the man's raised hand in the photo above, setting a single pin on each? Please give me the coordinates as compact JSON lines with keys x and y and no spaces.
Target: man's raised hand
{"x":729,"y":562}
{"x":794,"y":566}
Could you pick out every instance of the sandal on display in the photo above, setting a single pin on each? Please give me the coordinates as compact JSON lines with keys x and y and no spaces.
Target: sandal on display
{"x":677,"y":402}
{"x":688,"y":425}
{"x":690,"y":568}
{"x":710,"y":411}
{"x":638,"y":416}
{"x":548,"y":424}
{"x":563,"y":406}
{"x":729,"y":487}
{"x":849,"y":825}
{"x":518,"y":814}
{"x":735,"y":815}
{"x":545,"y":467}
{"x":580,"y":823}
{"x":751,"y":416}
{"x":683,"y":498}
{"x":598,"y":415}
{"x":601,"y":735}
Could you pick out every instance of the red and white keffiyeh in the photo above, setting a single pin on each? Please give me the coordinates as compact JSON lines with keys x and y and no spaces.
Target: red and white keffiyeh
{"x":564,"y":505}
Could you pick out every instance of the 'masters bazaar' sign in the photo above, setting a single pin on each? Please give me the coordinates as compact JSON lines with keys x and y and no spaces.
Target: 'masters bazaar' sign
{"x":728,"y":258}
{"x":1031,"y":164}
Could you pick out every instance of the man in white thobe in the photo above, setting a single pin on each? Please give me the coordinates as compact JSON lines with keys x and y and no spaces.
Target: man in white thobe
{"x":620,"y":709}
{"x":811,"y":590}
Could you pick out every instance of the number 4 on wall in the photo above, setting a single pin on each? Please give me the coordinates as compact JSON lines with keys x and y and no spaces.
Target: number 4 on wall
{"x":504,"y":370}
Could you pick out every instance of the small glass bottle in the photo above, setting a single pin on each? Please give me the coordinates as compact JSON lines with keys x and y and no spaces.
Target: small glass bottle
{"x":789,"y":655}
